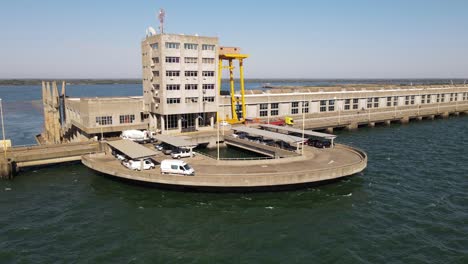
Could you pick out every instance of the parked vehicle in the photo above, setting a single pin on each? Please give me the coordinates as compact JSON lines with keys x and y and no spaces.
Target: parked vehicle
{"x":176,"y":167}
{"x":168,"y":149}
{"x":136,"y":164}
{"x":159,"y":147}
{"x":182,"y":153}
{"x":121,"y":157}
{"x":138,"y":136}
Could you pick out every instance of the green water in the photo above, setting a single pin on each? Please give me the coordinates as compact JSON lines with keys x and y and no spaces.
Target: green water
{"x":409,"y":206}
{"x":230,"y":153}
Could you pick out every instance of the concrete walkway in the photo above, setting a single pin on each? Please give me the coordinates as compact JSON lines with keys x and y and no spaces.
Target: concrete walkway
{"x":316,"y":165}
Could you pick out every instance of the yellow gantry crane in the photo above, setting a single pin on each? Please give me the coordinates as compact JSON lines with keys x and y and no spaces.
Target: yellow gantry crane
{"x":230,"y":54}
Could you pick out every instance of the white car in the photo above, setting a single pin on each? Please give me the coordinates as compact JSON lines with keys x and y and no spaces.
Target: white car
{"x":176,"y":167}
{"x":120,"y":157}
{"x":136,"y":164}
{"x":182,"y":153}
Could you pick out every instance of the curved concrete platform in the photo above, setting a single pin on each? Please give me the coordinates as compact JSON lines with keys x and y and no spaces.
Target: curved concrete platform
{"x":315,"y":166}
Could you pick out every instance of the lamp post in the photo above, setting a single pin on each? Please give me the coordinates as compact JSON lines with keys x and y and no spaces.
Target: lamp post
{"x":3,"y":129}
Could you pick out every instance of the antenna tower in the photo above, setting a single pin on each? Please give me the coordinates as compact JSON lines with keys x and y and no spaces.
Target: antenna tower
{"x":161,"y":16}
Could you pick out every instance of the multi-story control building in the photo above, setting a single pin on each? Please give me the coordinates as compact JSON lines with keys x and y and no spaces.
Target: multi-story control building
{"x":180,"y":88}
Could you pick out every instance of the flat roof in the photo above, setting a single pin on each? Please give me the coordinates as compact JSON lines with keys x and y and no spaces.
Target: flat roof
{"x":268,"y":134}
{"x":131,"y":149}
{"x":296,"y":130}
{"x":179,"y":142}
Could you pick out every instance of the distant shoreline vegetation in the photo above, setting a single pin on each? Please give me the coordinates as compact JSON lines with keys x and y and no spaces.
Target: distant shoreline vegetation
{"x":320,"y":82}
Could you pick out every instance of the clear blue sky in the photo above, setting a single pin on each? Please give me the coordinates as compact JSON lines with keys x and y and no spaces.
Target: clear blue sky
{"x":286,"y":39}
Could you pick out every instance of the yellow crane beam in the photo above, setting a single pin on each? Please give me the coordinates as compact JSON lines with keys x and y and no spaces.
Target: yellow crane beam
{"x":235,"y":119}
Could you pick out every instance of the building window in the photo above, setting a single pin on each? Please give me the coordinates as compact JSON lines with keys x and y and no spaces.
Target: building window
{"x":208,"y":99}
{"x":208,"y":86}
{"x":407,"y":100}
{"x":438,"y":98}
{"x":173,"y":100}
{"x":331,"y":105}
{"x":191,"y":87}
{"x":376,"y":102}
{"x":389,"y":101}
{"x":155,"y":86}
{"x":172,"y":45}
{"x":323,"y":106}
{"x":428,"y":99}
{"x":465,"y":96}
{"x":155,"y":73}
{"x":423,"y":99}
{"x":126,"y":119}
{"x":369,"y":102}
{"x":156,"y":60}
{"x":104,"y":120}
{"x":172,"y":122}
{"x":190,"y":46}
{"x":154,"y":46}
{"x":191,"y":73}
{"x":263,"y":113}
{"x":191,"y":60}
{"x":412,"y":99}
{"x":294,"y":108}
{"x":355,"y":104}
{"x":172,"y":73}
{"x":172,"y":59}
{"x":208,"y":60}
{"x":395,"y":101}
{"x":305,"y":107}
{"x":347,"y":104}
{"x":208,"y":47}
{"x":208,"y":74}
{"x":189,"y":100}
{"x":263,"y":106}
{"x":172,"y":87}
{"x":274,"y":109}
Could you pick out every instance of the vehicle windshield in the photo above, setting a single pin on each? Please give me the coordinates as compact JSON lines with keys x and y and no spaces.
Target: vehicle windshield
{"x":187,"y":167}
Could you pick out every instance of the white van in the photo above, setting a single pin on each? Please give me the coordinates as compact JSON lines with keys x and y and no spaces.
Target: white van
{"x":136,"y":164}
{"x":182,"y":153}
{"x":176,"y":167}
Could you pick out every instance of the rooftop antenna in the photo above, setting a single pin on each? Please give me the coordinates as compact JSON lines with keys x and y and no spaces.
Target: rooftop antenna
{"x":161,"y":16}
{"x":451,"y":81}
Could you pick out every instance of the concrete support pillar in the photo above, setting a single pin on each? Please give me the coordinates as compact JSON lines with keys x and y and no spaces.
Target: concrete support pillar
{"x":352,"y":126}
{"x":404,"y":120}
{"x":456,"y":113}
{"x":329,"y":130}
{"x":431,"y":117}
{"x":371,"y":124}
{"x":419,"y":118}
{"x":197,"y":123}
{"x":7,"y":169}
{"x":212,"y":122}
{"x":388,"y":122}
{"x":179,"y":124}
{"x":445,"y":115}
{"x":163,"y":125}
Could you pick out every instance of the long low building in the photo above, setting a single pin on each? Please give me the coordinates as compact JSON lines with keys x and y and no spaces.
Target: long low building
{"x":322,"y":102}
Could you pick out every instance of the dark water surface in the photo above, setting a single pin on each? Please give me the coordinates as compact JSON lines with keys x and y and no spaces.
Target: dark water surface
{"x":409,"y":206}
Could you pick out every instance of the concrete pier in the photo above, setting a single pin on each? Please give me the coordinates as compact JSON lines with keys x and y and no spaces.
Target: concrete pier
{"x":22,"y":157}
{"x":314,"y":166}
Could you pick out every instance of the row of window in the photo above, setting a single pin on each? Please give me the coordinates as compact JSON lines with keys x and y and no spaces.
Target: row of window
{"x":107,"y":120}
{"x":188,"y":60}
{"x":208,"y":99}
{"x":186,"y":73}
{"x":187,"y":46}
{"x":173,"y":87}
